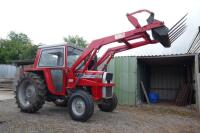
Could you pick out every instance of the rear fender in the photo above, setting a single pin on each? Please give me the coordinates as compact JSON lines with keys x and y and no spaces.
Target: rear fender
{"x":46,"y":75}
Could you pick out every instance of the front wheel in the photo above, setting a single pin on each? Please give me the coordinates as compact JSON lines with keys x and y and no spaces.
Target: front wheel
{"x":80,"y":106}
{"x":108,"y":105}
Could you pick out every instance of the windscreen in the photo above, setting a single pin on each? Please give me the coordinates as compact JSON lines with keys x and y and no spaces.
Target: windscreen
{"x":73,"y":55}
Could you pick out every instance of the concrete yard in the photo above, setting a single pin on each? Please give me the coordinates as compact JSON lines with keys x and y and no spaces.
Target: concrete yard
{"x":4,"y":95}
{"x":143,"y":118}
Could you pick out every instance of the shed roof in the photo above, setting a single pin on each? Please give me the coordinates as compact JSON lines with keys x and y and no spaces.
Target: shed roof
{"x":167,"y":55}
{"x":169,"y":60}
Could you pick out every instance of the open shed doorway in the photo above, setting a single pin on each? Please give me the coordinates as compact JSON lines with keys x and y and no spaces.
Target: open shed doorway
{"x":169,"y":76}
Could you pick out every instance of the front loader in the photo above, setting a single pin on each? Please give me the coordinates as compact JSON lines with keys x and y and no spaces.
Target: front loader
{"x":70,"y":76}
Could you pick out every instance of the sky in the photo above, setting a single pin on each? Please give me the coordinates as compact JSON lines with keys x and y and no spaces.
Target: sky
{"x":48,"y":21}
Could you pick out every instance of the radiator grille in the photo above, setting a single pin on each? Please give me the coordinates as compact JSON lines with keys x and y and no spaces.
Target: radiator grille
{"x":108,"y":91}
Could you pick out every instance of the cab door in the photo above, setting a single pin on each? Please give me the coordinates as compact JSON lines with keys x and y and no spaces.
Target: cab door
{"x":52,"y":61}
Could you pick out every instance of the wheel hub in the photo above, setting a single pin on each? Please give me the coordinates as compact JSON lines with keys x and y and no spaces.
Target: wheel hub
{"x":27,"y":94}
{"x":78,"y":106}
{"x":30,"y":91}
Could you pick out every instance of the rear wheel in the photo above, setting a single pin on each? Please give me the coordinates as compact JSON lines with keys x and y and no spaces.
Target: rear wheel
{"x":108,"y":105}
{"x":81,"y":106}
{"x":30,"y":93}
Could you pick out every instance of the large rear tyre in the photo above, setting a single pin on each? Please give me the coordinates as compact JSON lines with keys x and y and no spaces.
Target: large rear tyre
{"x":108,"y":105}
{"x":30,"y":93}
{"x":80,"y":106}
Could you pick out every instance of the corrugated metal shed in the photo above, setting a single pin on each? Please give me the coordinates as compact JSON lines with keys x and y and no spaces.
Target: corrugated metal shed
{"x":161,"y":73}
{"x":7,"y":71}
{"x":166,"y":73}
{"x":125,"y":78}
{"x":166,"y":81}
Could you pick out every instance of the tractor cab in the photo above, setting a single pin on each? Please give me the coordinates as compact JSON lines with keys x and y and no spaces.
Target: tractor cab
{"x":63,"y":55}
{"x":53,"y":62}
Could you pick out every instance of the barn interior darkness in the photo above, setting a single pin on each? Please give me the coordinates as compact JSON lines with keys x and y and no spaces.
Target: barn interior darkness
{"x":171,"y":77}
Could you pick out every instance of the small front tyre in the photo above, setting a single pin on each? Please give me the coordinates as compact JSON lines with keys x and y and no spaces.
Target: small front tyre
{"x":80,"y":106}
{"x":108,"y":105}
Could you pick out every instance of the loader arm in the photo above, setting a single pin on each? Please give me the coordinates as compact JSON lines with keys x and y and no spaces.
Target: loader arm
{"x":109,"y":54}
{"x":160,"y":34}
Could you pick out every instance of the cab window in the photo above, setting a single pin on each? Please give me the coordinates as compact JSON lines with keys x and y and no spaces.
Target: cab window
{"x":73,"y":55}
{"x":52,"y":57}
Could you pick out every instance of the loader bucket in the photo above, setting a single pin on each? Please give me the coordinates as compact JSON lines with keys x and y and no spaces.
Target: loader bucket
{"x":167,"y":36}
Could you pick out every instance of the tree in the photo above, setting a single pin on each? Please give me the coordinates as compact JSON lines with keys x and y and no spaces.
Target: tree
{"x":16,"y":47}
{"x":19,"y":38}
{"x":76,"y":41}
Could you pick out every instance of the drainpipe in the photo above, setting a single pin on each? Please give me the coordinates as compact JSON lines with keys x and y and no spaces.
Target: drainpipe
{"x":197,"y":82}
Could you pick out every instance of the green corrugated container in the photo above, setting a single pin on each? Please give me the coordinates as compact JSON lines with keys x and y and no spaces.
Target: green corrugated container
{"x":125,"y":79}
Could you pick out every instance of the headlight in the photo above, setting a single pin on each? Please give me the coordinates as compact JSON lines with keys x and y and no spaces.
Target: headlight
{"x":107,"y":77}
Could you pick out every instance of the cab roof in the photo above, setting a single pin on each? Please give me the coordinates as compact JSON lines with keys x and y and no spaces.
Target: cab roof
{"x":58,"y":45}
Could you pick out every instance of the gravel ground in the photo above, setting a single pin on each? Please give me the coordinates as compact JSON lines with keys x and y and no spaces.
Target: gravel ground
{"x":144,"y":118}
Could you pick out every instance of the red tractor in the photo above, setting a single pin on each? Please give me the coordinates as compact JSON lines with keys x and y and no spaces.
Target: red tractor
{"x":70,"y":76}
